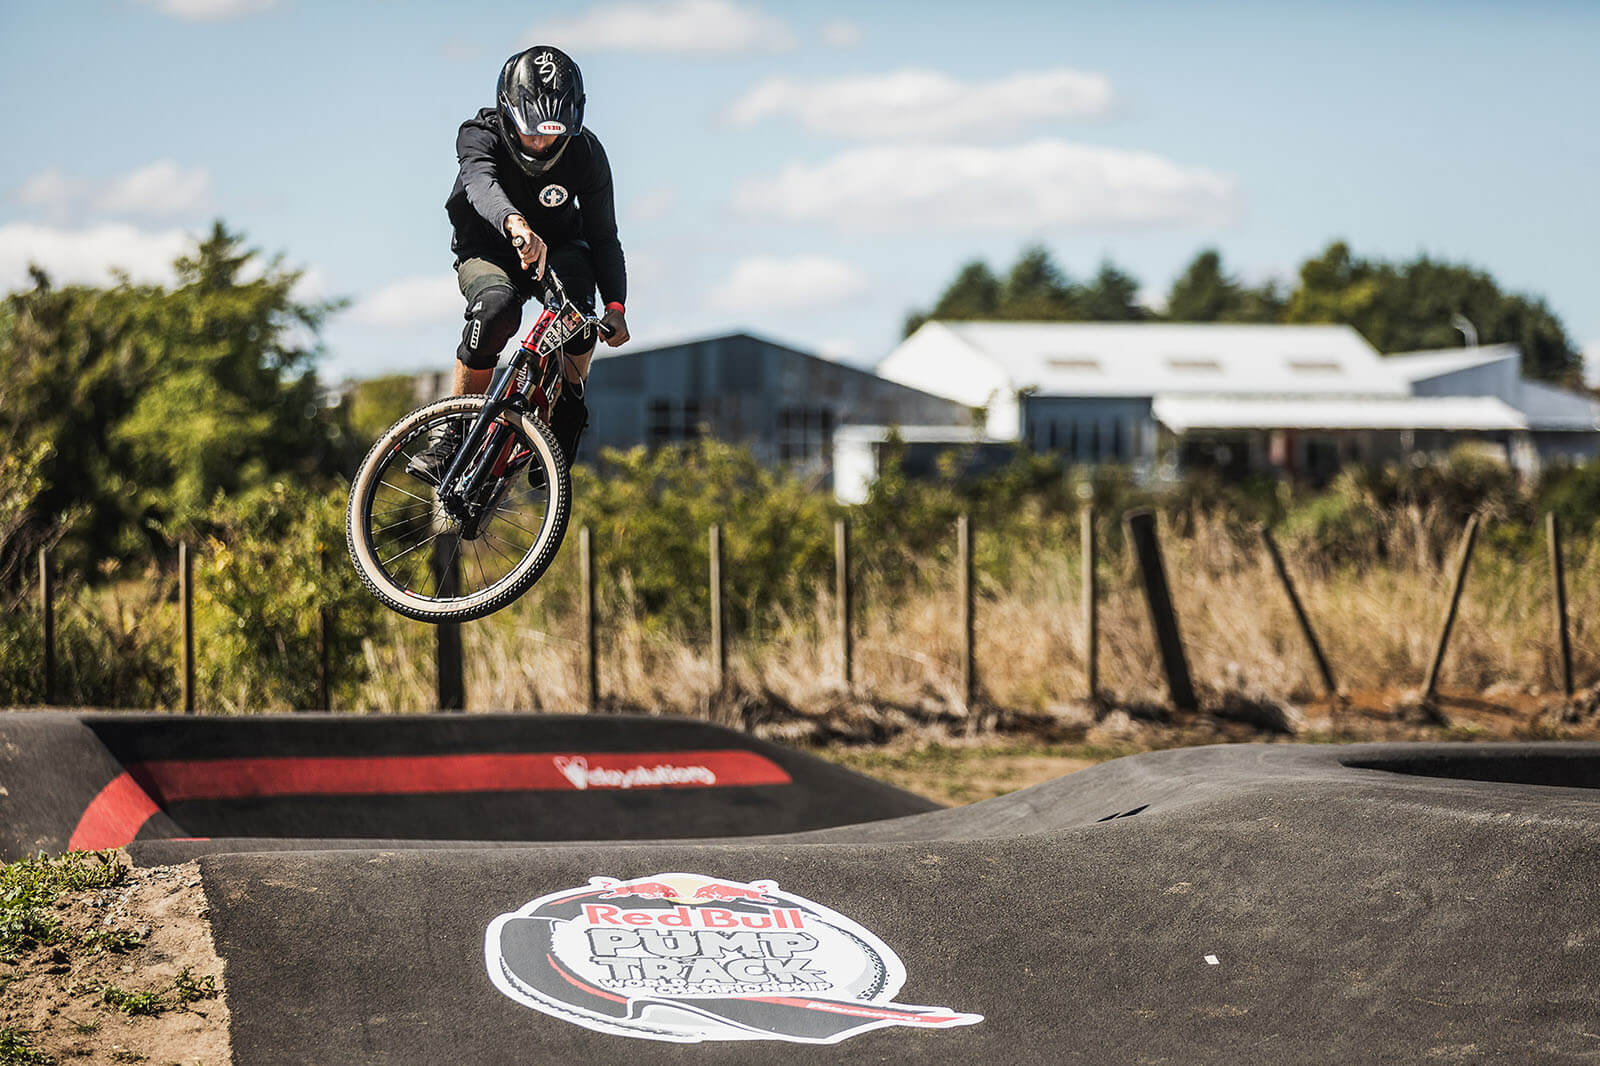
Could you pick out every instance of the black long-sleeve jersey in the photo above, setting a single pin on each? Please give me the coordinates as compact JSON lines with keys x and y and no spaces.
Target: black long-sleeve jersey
{"x":572,"y":200}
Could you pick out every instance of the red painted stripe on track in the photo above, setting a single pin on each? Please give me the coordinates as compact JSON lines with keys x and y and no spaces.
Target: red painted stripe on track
{"x":115,"y":816}
{"x":857,"y":1011}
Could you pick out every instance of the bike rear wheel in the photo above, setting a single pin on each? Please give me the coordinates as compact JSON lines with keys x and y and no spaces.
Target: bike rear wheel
{"x":424,"y":563}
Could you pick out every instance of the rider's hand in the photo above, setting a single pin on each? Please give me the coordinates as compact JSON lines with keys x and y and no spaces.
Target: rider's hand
{"x":530,"y":248}
{"x":613,"y":321}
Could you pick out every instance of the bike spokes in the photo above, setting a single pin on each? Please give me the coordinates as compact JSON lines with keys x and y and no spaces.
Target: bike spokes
{"x":439,"y":553}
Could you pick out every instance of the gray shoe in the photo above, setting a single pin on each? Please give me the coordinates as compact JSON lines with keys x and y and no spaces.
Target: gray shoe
{"x":431,"y":462}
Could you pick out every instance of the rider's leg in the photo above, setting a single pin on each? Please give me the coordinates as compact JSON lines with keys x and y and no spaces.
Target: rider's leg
{"x":494,"y":311}
{"x":572,"y":264}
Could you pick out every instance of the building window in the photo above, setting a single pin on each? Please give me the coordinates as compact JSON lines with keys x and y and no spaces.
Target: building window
{"x":804,"y":433}
{"x":672,"y":421}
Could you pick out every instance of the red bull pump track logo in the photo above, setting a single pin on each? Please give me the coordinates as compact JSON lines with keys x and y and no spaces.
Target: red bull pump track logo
{"x":687,"y":958}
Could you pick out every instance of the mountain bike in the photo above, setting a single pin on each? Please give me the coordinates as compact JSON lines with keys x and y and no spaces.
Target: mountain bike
{"x":469,"y":542}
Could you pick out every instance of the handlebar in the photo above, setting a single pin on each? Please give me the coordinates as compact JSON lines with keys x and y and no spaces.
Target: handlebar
{"x":556,"y":299}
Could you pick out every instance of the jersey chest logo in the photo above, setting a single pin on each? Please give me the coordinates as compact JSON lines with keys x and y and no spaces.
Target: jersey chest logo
{"x":553,"y":195}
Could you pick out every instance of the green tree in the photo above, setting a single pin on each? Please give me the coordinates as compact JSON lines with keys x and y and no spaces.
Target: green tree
{"x":1204,"y":292}
{"x":1037,"y":290}
{"x":1413,"y":305}
{"x":146,"y":401}
{"x":1112,"y":296}
{"x":975,"y":293}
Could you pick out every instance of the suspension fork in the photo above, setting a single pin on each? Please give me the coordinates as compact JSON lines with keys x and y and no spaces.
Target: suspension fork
{"x":465,"y":476}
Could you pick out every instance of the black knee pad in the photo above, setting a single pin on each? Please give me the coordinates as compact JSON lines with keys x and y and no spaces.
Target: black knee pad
{"x":580,"y":342}
{"x":492,"y":318}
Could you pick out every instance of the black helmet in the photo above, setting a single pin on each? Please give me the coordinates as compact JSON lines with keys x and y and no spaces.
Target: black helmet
{"x":540,"y":92}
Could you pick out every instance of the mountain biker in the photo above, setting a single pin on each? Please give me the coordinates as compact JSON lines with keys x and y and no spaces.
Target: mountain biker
{"x":533,"y":194}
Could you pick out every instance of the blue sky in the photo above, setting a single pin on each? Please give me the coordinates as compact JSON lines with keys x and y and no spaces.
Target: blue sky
{"x":813,"y":171}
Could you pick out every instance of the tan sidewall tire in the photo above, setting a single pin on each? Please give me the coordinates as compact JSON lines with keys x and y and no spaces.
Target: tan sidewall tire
{"x":486,"y":601}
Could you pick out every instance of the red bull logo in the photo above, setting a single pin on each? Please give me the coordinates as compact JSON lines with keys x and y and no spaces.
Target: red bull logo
{"x":688,"y":958}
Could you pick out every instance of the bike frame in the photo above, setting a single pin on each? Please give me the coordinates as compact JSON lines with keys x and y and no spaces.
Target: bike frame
{"x":509,"y":389}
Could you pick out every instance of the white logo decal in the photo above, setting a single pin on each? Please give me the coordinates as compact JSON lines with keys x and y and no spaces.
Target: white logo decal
{"x":550,"y":126}
{"x":553,"y":195}
{"x":688,"y":958}
{"x":576,"y":769}
{"x":547,"y":67}
{"x":477,"y":327}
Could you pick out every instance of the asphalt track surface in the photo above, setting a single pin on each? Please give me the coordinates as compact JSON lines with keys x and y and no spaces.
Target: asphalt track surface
{"x":1367,"y":903}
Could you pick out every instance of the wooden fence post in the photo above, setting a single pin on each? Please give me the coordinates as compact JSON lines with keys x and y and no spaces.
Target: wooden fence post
{"x":1464,"y":556}
{"x":1306,"y":631}
{"x":842,"y":597}
{"x":186,"y":606}
{"x":47,"y":613}
{"x":1558,"y":578}
{"x":1163,"y":619}
{"x":591,"y":647}
{"x":719,"y":645}
{"x":324,"y":635}
{"x":969,"y":672}
{"x":449,"y":678}
{"x":1091,"y":613}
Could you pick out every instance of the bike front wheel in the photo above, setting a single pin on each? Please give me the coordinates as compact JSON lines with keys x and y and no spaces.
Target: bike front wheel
{"x":425,"y":563}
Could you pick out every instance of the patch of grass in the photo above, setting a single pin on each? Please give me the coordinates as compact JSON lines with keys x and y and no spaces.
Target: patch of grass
{"x":86,"y":1028}
{"x":134,"y":1004}
{"x":124,"y":1055}
{"x":29,"y":889}
{"x":187,"y":988}
{"x":17,"y":1050}
{"x":116,"y":941}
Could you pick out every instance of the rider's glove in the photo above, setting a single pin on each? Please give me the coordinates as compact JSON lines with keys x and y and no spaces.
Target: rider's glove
{"x":613,"y":322}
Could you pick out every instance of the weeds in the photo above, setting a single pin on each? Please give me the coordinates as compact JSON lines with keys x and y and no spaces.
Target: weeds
{"x":17,"y":1050}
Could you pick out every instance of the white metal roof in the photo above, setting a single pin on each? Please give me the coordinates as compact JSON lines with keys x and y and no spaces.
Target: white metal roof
{"x":1183,"y":413}
{"x":1144,"y":358}
{"x":1420,"y":366}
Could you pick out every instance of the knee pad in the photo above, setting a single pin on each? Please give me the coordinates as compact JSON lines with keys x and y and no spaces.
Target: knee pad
{"x":580,"y":342}
{"x":492,"y":318}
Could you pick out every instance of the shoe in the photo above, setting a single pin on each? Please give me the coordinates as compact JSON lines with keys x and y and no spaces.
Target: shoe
{"x":431,"y":462}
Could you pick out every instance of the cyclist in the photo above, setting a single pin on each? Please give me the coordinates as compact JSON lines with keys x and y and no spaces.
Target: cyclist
{"x":533,"y":194}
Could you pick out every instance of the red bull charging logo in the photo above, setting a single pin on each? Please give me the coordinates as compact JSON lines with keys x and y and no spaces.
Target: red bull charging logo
{"x":688,"y":958}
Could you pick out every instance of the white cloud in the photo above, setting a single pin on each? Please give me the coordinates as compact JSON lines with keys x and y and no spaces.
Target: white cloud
{"x":685,"y":27}
{"x":841,"y":33}
{"x":923,"y":104}
{"x":87,"y":256}
{"x":410,"y":302}
{"x":657,"y":203}
{"x":210,"y":10}
{"x":1044,"y":183}
{"x":765,"y":283}
{"x":49,"y":190}
{"x":162,"y":189}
